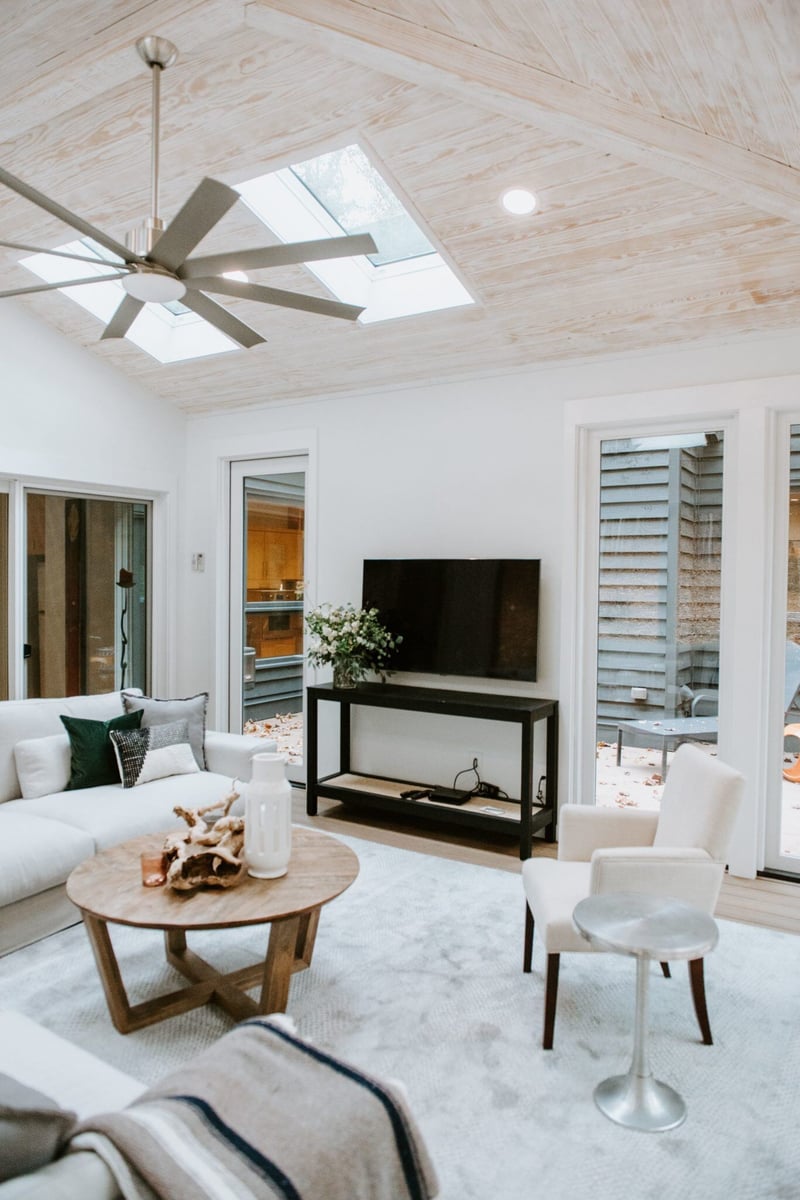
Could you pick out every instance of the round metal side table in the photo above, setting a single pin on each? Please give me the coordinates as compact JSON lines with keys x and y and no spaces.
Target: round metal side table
{"x":646,"y":927}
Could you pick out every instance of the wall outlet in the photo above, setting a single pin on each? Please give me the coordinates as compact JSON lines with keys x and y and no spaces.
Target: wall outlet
{"x":638,"y":693}
{"x":198,"y":562}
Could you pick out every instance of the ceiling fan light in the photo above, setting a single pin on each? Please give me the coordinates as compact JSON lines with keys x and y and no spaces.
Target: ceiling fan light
{"x":153,"y":286}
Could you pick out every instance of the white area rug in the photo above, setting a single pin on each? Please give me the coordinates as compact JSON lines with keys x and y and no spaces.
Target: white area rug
{"x":417,"y":975}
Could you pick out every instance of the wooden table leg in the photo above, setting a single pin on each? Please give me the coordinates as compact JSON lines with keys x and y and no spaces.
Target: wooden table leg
{"x":306,"y":937}
{"x":109,"y":972}
{"x":128,"y":1017}
{"x":280,"y":962}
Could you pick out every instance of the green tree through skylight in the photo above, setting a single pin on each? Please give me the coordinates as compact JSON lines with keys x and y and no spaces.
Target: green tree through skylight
{"x":347,"y":185}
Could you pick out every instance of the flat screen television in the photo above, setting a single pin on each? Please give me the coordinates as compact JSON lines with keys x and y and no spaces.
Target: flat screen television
{"x":459,"y":616}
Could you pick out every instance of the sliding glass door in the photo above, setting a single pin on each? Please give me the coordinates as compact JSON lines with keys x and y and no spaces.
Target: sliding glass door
{"x":87,"y":594}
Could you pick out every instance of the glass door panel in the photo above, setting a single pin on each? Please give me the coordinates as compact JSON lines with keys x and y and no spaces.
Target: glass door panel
{"x":4,"y":631}
{"x":659,"y":609}
{"x":783,"y":826}
{"x":267,"y":680}
{"x":87,"y":594}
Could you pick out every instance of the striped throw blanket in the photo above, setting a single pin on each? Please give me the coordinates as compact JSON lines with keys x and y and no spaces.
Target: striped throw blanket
{"x":264,"y":1114}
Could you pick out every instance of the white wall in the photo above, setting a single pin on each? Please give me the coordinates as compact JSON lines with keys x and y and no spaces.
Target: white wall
{"x":491,"y":466}
{"x":450,"y":471}
{"x":68,"y":419}
{"x":497,"y":467}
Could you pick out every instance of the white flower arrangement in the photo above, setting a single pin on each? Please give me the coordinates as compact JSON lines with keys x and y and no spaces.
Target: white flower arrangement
{"x":352,"y":640}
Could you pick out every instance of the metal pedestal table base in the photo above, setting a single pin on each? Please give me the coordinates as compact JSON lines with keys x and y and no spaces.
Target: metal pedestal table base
{"x":637,"y":1100}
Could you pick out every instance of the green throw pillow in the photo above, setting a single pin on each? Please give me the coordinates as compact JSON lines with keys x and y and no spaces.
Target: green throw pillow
{"x":93,"y":760}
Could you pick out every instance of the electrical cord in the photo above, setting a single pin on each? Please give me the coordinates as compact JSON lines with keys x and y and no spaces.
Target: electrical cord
{"x":489,"y":790}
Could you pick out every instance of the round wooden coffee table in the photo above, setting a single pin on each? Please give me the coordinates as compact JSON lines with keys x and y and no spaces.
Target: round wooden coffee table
{"x":108,"y":889}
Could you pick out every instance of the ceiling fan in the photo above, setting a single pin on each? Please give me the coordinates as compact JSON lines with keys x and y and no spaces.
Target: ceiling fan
{"x":156,"y":265}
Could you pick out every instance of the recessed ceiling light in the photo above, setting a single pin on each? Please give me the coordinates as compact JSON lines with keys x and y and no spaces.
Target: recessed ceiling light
{"x":518,"y":201}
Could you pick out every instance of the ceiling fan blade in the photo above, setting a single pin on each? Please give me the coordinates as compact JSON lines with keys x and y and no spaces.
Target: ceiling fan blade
{"x":279,"y":256}
{"x":208,"y":202}
{"x":52,"y":287}
{"x":123,"y":318}
{"x":268,"y":295}
{"x":62,"y":254}
{"x":216,"y":315}
{"x":64,"y":214}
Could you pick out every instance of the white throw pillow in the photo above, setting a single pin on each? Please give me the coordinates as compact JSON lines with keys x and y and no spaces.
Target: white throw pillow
{"x":43,"y":765}
{"x":153,"y":753}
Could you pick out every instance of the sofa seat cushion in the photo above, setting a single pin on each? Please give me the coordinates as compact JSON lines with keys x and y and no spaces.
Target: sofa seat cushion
{"x":35,"y":853}
{"x":113,"y":814}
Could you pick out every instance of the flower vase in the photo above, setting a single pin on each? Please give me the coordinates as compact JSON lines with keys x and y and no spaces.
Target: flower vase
{"x":268,"y":818}
{"x":344,"y":675}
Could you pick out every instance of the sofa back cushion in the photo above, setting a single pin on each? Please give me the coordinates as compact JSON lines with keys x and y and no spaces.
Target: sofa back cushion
{"x":21,"y":719}
{"x":164,"y":712}
{"x":43,"y":765}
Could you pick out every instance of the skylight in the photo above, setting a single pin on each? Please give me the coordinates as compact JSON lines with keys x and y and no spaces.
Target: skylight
{"x":338,"y":192}
{"x":168,"y":332}
{"x":343,"y":192}
{"x":347,"y":185}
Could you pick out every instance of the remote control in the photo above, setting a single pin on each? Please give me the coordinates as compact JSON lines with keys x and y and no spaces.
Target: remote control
{"x":415,"y":794}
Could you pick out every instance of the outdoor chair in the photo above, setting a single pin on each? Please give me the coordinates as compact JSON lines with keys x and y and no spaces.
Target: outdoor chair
{"x":678,"y":852}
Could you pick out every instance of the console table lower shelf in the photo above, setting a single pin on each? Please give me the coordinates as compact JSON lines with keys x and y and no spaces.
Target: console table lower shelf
{"x":377,"y":792}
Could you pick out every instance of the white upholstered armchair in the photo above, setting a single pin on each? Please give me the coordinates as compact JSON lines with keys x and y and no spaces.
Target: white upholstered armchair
{"x":678,"y":852}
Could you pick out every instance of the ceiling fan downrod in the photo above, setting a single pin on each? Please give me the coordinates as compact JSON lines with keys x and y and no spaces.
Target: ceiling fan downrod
{"x":158,"y":53}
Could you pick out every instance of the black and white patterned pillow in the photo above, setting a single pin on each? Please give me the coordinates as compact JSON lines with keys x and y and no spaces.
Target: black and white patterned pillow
{"x":153,"y":753}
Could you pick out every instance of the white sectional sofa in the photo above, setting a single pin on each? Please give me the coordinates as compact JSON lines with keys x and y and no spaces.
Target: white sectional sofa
{"x":44,"y":836}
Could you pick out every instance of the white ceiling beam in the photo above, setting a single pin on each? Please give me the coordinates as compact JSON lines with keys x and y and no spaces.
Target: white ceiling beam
{"x":404,"y":50}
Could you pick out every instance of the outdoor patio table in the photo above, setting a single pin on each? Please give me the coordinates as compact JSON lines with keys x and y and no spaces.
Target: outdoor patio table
{"x":671,"y":730}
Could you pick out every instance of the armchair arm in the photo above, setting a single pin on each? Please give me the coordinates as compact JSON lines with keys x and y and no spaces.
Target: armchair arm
{"x":583,"y":828}
{"x":681,"y":872}
{"x":230,"y":753}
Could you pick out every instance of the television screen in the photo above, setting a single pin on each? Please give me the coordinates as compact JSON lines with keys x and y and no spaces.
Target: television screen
{"x":471,"y":616}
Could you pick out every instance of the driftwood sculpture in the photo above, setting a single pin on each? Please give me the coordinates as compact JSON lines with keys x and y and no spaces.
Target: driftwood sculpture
{"x":208,"y":852}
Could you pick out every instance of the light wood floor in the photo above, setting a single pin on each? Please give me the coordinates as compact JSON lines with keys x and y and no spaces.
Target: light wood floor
{"x":773,"y":903}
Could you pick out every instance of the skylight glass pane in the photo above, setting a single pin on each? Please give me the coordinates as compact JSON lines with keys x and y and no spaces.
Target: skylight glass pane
{"x":347,"y":185}
{"x":169,"y":333}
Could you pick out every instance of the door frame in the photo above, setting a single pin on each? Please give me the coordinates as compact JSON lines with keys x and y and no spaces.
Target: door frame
{"x":161,"y":552}
{"x":772,"y":860}
{"x":579,"y":666}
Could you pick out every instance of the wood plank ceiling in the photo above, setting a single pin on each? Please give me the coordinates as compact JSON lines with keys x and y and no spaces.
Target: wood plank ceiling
{"x":662,"y":138}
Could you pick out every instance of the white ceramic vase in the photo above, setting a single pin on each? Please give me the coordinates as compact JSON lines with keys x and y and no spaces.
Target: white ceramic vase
{"x":268,"y":818}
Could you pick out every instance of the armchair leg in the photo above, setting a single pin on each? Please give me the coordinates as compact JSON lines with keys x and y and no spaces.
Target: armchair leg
{"x":697,"y":979}
{"x":550,"y":997}
{"x":528,"y":954}
{"x":665,"y":969}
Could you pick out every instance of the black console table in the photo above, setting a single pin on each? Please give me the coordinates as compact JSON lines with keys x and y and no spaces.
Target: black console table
{"x":521,"y":817}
